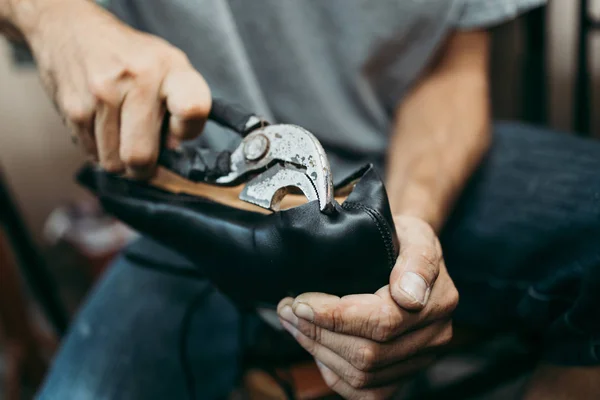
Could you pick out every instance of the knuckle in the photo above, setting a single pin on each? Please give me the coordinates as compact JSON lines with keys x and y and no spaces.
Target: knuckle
{"x":178,"y":56}
{"x":446,"y":336}
{"x":365,"y":358}
{"x":159,"y":57}
{"x":145,"y":68}
{"x":430,"y":260}
{"x":337,"y":320}
{"x":102,"y":87}
{"x":138,"y":158}
{"x":112,"y":166}
{"x":442,"y":338}
{"x":331,"y":380}
{"x":386,"y":327}
{"x":194,"y":109}
{"x":452,"y":298}
{"x":77,"y":111}
{"x":311,"y":331}
{"x":316,"y":333}
{"x":308,"y":345}
{"x":358,"y":379}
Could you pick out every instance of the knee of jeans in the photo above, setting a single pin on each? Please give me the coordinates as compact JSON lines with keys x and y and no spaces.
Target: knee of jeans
{"x":517,"y":129}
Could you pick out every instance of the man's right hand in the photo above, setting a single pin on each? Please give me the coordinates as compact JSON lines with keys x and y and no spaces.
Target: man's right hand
{"x":111,"y":83}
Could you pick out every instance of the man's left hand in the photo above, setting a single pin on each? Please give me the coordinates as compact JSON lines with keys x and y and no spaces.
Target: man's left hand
{"x":365,"y":344}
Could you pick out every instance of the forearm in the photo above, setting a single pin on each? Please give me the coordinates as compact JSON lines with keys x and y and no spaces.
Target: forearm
{"x":14,"y":15}
{"x":441,"y":132}
{"x":7,"y":24}
{"x":19,"y":18}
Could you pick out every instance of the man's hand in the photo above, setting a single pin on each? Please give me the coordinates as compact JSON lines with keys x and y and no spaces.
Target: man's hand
{"x":111,"y":83}
{"x":365,"y":344}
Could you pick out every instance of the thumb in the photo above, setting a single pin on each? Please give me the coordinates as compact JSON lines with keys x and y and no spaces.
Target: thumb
{"x":418,"y":264}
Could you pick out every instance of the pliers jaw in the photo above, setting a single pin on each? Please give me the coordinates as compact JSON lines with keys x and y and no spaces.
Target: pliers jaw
{"x":273,"y":160}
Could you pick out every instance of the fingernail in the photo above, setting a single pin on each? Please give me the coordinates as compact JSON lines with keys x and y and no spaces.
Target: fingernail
{"x":305,"y":312}
{"x":288,"y":327}
{"x":414,"y":286}
{"x":287,"y":314}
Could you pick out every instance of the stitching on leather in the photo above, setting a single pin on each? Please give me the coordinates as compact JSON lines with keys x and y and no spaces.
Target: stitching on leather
{"x":381,"y":227}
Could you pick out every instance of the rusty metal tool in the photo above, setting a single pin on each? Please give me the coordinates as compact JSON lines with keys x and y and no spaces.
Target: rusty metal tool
{"x":273,"y":160}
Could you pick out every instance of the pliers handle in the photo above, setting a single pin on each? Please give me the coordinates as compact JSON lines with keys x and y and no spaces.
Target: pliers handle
{"x":232,"y":117}
{"x":202,"y":164}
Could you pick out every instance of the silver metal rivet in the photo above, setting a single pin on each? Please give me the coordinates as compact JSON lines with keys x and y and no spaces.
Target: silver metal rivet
{"x":256,"y":147}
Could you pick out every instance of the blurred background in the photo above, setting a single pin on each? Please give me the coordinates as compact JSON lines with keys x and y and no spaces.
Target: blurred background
{"x":546,"y":70}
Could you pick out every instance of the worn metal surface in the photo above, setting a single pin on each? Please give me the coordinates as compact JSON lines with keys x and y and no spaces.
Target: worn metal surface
{"x":269,"y":188}
{"x":256,"y":147}
{"x":286,"y":157}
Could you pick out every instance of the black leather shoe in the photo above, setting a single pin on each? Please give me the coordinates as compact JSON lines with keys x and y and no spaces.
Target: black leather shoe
{"x":258,"y":259}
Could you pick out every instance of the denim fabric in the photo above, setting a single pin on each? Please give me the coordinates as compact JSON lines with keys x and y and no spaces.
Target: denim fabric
{"x":523,"y":244}
{"x":128,"y":339}
{"x":523,"y":247}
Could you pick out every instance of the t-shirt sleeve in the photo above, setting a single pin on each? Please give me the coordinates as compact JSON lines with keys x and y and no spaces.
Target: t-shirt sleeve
{"x":486,"y":13}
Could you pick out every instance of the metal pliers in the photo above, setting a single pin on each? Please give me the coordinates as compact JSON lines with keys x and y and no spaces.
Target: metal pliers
{"x":273,"y":160}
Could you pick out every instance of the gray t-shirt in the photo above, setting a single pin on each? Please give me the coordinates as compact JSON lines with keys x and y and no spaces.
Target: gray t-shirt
{"x":336,"y":67}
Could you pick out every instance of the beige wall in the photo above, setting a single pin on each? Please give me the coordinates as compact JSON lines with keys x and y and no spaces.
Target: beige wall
{"x":36,"y":153}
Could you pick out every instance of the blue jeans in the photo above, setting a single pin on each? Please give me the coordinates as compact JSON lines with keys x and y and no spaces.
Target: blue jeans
{"x":128,"y":339}
{"x":522,"y":245}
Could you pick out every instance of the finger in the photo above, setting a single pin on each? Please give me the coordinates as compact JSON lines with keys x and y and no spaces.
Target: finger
{"x":443,"y":299}
{"x":355,"y":377}
{"x":368,"y":355}
{"x":141,"y":117}
{"x":106,"y":129}
{"x":181,"y":130}
{"x":288,"y":301}
{"x":78,"y":114}
{"x":82,"y":134}
{"x":372,"y":316}
{"x":189,"y":101}
{"x":417,"y":267}
{"x":350,"y":393}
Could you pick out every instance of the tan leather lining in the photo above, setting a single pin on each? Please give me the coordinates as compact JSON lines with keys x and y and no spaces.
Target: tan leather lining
{"x":171,"y":182}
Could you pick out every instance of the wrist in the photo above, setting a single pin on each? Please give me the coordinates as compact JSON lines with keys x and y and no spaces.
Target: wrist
{"x":424,"y":212}
{"x":418,"y":200}
{"x":29,"y":16}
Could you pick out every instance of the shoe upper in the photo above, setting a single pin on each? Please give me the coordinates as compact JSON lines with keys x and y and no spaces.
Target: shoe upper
{"x":258,"y":259}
